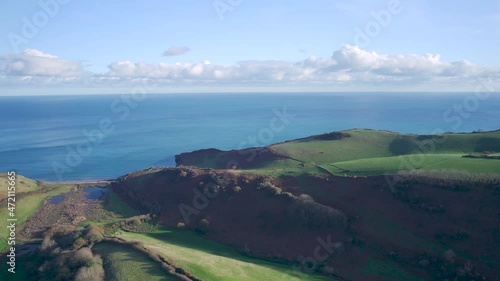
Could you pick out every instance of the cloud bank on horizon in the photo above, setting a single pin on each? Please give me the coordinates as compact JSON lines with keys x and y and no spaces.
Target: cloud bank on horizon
{"x":92,"y":46}
{"x":349,"y":68}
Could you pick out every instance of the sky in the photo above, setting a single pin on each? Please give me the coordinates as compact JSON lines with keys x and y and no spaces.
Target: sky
{"x":93,"y":47}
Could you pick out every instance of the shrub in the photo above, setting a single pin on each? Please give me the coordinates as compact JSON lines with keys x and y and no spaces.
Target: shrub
{"x":269,"y":187}
{"x":60,"y":229}
{"x":82,"y":257}
{"x":135,"y":222}
{"x":94,"y":234}
{"x":142,"y":223}
{"x":203,"y":226}
{"x":311,"y":214}
{"x":236,"y":189}
{"x":192,"y":174}
{"x":79,"y":243}
{"x":274,"y":190}
{"x":92,"y":273}
{"x":111,"y":228}
{"x":211,"y":189}
{"x":48,"y":244}
{"x":449,"y":180}
{"x":449,"y":256}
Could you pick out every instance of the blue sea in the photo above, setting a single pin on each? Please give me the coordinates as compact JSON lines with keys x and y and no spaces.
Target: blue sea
{"x":68,"y":138}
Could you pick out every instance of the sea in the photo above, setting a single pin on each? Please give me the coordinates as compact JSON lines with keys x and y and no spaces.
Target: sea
{"x":90,"y":137}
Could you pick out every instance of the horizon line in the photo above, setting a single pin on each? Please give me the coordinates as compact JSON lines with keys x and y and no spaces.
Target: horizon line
{"x":244,"y":92}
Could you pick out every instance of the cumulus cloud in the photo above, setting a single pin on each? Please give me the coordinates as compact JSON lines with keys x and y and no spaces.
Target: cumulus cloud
{"x":176,"y":51}
{"x":348,"y":66}
{"x":36,"y":63}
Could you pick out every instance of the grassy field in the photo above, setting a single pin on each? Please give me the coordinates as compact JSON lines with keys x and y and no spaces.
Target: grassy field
{"x":375,"y":166}
{"x":122,"y":263}
{"x":22,"y":185}
{"x":325,"y":151}
{"x":368,"y":152}
{"x":208,"y":260}
{"x":27,"y":205}
{"x":116,"y":205}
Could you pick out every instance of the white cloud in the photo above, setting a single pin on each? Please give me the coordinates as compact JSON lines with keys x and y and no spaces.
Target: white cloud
{"x":36,"y":63}
{"x":354,"y":59}
{"x":36,"y":53}
{"x":176,"y":51}
{"x":349,"y":67}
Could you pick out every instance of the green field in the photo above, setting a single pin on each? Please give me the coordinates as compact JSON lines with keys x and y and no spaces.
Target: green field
{"x":122,"y":263}
{"x":22,"y":185}
{"x":393,"y":164}
{"x":367,"y":152}
{"x":362,"y":144}
{"x":27,"y":205}
{"x":208,"y":260}
{"x":116,"y":205}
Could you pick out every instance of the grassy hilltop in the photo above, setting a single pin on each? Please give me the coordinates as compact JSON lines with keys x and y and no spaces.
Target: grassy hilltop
{"x":361,"y":152}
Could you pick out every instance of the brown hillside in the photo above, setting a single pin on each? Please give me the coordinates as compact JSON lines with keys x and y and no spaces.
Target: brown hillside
{"x":410,"y":226}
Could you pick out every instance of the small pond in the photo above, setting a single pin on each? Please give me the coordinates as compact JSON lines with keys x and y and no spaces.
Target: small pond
{"x":95,"y":192}
{"x":56,"y":199}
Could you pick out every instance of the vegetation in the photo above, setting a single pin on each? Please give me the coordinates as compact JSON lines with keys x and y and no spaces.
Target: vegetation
{"x":61,"y":261}
{"x":208,"y":260}
{"x":23,"y":185}
{"x":203,"y":226}
{"x":453,"y":162}
{"x":123,"y":263}
{"x":236,"y":189}
{"x":116,"y":205}
{"x":367,"y":152}
{"x":142,"y":223}
{"x":384,"y":268}
{"x":267,"y":185}
{"x":311,"y":214}
{"x":27,"y":202}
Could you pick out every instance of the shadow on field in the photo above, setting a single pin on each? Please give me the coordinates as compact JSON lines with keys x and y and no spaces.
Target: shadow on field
{"x":121,"y":257}
{"x":402,"y":145}
{"x":487,"y":144}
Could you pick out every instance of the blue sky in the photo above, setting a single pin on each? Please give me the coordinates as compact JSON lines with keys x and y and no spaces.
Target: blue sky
{"x":230,"y":45}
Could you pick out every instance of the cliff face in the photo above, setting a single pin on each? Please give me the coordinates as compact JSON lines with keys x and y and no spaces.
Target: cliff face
{"x":255,"y":214}
{"x":234,"y":159}
{"x":411,"y":226}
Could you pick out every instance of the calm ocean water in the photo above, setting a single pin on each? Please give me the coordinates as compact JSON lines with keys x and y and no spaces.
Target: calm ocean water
{"x":97,"y":137}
